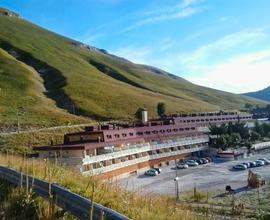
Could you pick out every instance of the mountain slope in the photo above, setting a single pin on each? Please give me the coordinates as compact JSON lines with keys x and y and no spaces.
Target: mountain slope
{"x":101,"y":85}
{"x":263,"y":94}
{"x":21,"y":92}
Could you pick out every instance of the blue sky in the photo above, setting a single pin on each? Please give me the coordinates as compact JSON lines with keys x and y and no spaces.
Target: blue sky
{"x":223,"y":44}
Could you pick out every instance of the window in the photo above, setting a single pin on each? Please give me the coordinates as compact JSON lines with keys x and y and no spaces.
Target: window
{"x":86,"y":167}
{"x":87,"y":152}
{"x":169,"y":130}
{"x":175,"y":129}
{"x":139,"y":133}
{"x":117,"y":135}
{"x":193,"y":128}
{"x":124,"y":135}
{"x":109,"y":136}
{"x":154,"y":132}
{"x":187,"y":129}
{"x":130,"y":134}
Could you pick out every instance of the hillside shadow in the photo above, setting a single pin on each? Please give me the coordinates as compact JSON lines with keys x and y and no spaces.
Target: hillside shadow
{"x":53,"y":80}
{"x":114,"y":74}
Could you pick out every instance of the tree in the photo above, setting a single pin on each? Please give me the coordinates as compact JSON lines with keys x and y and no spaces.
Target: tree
{"x":138,"y":113}
{"x":221,"y":142}
{"x":248,"y":106}
{"x":258,"y":128}
{"x":217,"y":130}
{"x":254,"y":136}
{"x":267,"y":108}
{"x":161,"y":108}
{"x":234,"y":140}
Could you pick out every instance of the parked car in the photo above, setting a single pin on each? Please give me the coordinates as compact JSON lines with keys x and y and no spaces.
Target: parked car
{"x":259,"y":163}
{"x":151,"y":172}
{"x":158,"y":170}
{"x":205,"y":161}
{"x":266,"y":161}
{"x":239,"y":167}
{"x":192,"y":163}
{"x":209,"y":159}
{"x":199,"y":161}
{"x":247,"y":164}
{"x":252,"y":164}
{"x":181,"y":166}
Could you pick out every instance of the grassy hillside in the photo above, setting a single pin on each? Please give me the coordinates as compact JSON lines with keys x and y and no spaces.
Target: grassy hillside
{"x":21,"y":92}
{"x":131,"y":204}
{"x":263,"y":94}
{"x":92,"y":82}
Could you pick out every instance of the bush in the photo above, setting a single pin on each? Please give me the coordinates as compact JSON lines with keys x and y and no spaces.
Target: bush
{"x":21,"y":205}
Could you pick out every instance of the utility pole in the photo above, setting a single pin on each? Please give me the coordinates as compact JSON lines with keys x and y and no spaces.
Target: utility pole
{"x":20,"y":111}
{"x":73,"y":109}
{"x":18,"y":121}
{"x":176,"y":179}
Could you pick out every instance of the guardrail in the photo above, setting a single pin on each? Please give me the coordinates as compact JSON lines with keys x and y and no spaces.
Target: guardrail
{"x":67,"y":200}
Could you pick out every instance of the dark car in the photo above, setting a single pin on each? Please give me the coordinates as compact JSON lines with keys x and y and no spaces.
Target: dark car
{"x":151,"y":172}
{"x":205,"y":161}
{"x":252,"y":164}
{"x":247,"y":164}
{"x":209,"y":159}
{"x":157,"y":169}
{"x":199,"y":161}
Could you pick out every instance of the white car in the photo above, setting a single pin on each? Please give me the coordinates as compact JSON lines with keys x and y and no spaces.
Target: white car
{"x":181,"y":166}
{"x":266,"y":161}
{"x":239,"y":167}
{"x":259,"y":163}
{"x":192,"y":163}
{"x":151,"y":172}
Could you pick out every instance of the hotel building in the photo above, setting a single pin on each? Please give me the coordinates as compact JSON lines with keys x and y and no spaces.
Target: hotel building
{"x":111,"y":150}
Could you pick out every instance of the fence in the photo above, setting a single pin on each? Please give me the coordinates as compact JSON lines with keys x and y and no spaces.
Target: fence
{"x":69,"y":201}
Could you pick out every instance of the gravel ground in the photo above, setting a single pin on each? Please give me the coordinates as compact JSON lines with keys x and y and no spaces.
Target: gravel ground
{"x":211,"y":177}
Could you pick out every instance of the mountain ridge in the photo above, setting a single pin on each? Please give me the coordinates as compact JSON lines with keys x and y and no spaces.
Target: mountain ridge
{"x":263,"y":94}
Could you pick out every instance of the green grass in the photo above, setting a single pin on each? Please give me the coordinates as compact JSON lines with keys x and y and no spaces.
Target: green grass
{"x":99,"y":85}
{"x":24,"y":142}
{"x":21,"y":90}
{"x":131,"y":204}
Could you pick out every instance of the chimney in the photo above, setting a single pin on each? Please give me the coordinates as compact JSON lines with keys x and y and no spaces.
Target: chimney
{"x":144,"y":117}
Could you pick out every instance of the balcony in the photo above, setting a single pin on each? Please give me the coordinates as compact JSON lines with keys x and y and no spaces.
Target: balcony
{"x":134,"y":149}
{"x":143,"y":159}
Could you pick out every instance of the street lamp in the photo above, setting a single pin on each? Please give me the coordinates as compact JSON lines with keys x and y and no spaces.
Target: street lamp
{"x":176,"y":188}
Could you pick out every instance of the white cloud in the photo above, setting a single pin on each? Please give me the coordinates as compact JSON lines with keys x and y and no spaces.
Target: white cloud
{"x":222,"y":46}
{"x":185,"y":9}
{"x":221,"y":64}
{"x":248,"y":72}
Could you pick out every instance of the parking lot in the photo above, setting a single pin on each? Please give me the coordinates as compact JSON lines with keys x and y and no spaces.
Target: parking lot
{"x":211,"y":177}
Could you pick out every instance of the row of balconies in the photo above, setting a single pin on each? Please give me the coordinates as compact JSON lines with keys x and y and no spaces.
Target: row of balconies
{"x":121,"y":164}
{"x":134,"y":149}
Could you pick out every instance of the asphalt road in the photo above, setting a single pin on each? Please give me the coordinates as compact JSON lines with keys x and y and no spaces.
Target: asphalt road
{"x":210,"y":177}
